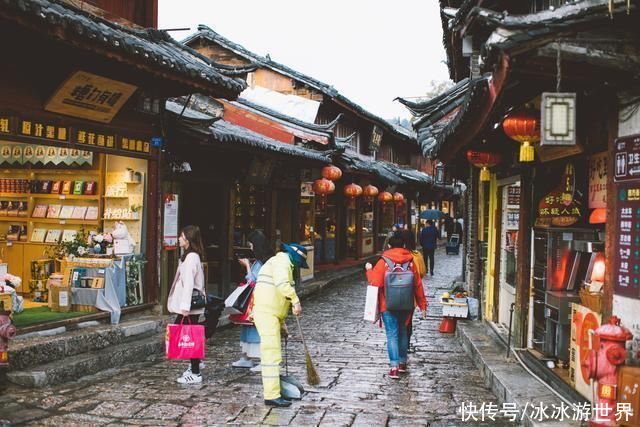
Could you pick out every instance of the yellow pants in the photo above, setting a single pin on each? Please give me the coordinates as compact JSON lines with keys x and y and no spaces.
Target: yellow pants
{"x":270,"y":353}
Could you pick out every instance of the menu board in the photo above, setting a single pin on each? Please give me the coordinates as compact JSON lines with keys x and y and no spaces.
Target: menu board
{"x":627,"y":256}
{"x":513,"y":195}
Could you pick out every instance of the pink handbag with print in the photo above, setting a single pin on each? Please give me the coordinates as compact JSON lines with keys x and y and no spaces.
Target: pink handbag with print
{"x":184,"y":341}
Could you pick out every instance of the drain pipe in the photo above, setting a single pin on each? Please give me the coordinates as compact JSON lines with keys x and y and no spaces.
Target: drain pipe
{"x":513,"y":304}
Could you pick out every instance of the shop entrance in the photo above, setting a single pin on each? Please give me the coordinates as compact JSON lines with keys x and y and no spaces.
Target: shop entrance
{"x":508,"y":223}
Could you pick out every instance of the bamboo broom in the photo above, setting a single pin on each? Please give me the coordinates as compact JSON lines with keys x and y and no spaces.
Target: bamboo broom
{"x":312,"y":375}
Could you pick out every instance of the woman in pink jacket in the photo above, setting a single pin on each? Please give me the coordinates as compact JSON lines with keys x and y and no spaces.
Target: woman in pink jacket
{"x":189,"y":276}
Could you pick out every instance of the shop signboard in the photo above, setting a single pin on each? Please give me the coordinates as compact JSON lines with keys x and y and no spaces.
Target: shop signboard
{"x":627,"y":254}
{"x":513,"y":195}
{"x":43,"y":130}
{"x":170,"y":229}
{"x":376,"y":138}
{"x":627,"y":159}
{"x":598,"y":181}
{"x":91,"y":97}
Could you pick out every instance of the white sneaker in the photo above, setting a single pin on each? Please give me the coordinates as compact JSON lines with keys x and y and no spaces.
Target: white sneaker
{"x":190,"y":379}
{"x":188,"y":371}
{"x":257,"y":368}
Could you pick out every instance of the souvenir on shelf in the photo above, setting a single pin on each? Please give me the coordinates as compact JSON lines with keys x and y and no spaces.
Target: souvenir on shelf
{"x":69,"y":235}
{"x":66,"y":212}
{"x":56,"y":186}
{"x":66,"y":187}
{"x":4,"y":207}
{"x":39,"y":211}
{"x":14,"y":233}
{"x":53,"y":236}
{"x":38,"y":234}
{"x":78,"y":186}
{"x":53,"y":211}
{"x":90,"y":188}
{"x":79,"y":212}
{"x":13,"y":208}
{"x":92,"y":213}
{"x":45,"y":187}
{"x":23,"y":209}
{"x":23,"y":233}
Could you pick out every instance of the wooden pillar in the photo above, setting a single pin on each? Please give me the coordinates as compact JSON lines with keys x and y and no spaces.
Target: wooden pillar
{"x":523,"y":264}
{"x":611,"y":235}
{"x":226,"y":245}
{"x":359,"y":214}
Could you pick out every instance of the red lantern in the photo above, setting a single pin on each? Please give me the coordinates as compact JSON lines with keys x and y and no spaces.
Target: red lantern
{"x":370,"y":192}
{"x":483,"y":160}
{"x":385,"y":197}
{"x":398,"y":198}
{"x":332,"y":173}
{"x":352,"y":191}
{"x":323,"y":187}
{"x":523,"y":126}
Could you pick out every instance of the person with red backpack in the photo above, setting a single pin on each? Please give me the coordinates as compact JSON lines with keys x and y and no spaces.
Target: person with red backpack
{"x":400,"y":288}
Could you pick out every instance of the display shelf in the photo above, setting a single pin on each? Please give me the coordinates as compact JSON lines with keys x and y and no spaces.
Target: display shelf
{"x":64,"y":196}
{"x":64,"y":221}
{"x":120,"y":219}
{"x":116,"y":197}
{"x":17,"y":195}
{"x":87,"y":172}
{"x":132,"y":182}
{"x":14,"y":218}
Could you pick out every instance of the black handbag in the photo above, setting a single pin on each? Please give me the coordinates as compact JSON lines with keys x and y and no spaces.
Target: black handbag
{"x":198,"y":299}
{"x":242,"y":302}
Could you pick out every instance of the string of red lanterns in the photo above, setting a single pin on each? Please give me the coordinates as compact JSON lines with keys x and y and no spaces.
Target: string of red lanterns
{"x":523,"y":126}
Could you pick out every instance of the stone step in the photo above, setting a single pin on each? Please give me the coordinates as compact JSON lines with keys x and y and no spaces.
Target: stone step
{"x":89,"y":363}
{"x":38,"y":348}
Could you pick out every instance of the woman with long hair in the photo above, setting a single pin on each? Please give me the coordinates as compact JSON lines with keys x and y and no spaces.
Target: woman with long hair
{"x":189,"y":276}
{"x":249,"y":337}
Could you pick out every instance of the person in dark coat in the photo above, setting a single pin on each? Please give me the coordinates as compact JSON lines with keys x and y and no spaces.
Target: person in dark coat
{"x":429,"y":242}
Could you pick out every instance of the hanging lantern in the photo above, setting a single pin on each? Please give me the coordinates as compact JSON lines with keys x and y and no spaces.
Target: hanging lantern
{"x":323,"y":187}
{"x":523,"y":126}
{"x":332,"y":173}
{"x":352,"y":191}
{"x":484,"y":161}
{"x":370,"y":191}
{"x":398,"y":199}
{"x":385,"y":197}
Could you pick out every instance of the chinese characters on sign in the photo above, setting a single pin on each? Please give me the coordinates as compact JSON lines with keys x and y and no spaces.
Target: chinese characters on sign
{"x":39,"y":129}
{"x":89,"y":96}
{"x":513,"y":195}
{"x":135,"y":145}
{"x":5,"y":124}
{"x":85,"y":137}
{"x":598,"y":181}
{"x":376,"y":138}
{"x":627,"y":255}
{"x":627,"y":159}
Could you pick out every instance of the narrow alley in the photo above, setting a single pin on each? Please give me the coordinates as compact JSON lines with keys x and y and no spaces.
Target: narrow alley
{"x":349,"y":352}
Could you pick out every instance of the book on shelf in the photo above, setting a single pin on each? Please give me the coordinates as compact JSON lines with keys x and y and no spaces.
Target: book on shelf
{"x":38,"y":235}
{"x":69,"y":235}
{"x":56,"y":186}
{"x":79,"y":212}
{"x":90,"y":188}
{"x":53,"y":211}
{"x":66,"y":187}
{"x":53,"y":236}
{"x":92,"y":213}
{"x":39,"y":211}
{"x":66,"y":212}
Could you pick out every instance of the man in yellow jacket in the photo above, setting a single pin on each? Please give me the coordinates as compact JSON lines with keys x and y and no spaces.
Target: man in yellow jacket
{"x":273,"y":295}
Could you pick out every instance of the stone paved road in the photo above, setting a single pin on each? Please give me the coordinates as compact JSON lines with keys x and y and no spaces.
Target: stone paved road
{"x":351,"y":359}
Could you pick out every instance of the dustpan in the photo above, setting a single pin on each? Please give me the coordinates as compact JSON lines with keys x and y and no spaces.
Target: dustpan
{"x":290,"y":387}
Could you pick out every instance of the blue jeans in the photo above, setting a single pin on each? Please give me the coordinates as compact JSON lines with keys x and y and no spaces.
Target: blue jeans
{"x":397,"y":337}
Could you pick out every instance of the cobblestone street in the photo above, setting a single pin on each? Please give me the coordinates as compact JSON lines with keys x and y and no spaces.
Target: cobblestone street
{"x":349,"y":352}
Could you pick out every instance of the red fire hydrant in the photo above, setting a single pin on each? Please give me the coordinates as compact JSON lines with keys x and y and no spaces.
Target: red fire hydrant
{"x":602,"y":365}
{"x":7,"y":332}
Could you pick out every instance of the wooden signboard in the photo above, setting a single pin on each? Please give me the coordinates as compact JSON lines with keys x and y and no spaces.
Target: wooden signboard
{"x":598,"y":181}
{"x":91,"y":97}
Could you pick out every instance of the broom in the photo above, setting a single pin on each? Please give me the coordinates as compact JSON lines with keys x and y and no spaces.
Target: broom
{"x":312,"y":375}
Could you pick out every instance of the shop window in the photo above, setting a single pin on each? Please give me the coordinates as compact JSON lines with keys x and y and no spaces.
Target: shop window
{"x":307,"y":217}
{"x":367,"y":230}
{"x":352,"y":224}
{"x":325,"y":232}
{"x":72,"y":224}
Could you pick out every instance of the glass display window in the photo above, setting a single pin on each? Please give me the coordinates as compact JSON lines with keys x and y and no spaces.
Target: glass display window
{"x":352,"y":224}
{"x":325,"y":233}
{"x":249,"y":211}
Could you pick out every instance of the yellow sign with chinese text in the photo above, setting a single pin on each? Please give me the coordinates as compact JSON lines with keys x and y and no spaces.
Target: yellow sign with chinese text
{"x":91,"y":97}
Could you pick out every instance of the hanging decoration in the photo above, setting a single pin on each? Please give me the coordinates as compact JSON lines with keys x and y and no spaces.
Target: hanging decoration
{"x":323,"y":187}
{"x":352,"y":191}
{"x":484,"y":161}
{"x":523,"y":126}
{"x":386,"y":199}
{"x":370,"y":192}
{"x":332,"y":173}
{"x":398,"y":199}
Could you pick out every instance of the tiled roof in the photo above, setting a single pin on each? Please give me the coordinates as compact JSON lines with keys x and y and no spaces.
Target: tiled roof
{"x":207,"y":33}
{"x":355,"y":162}
{"x":152,"y":48}
{"x":222,"y":132}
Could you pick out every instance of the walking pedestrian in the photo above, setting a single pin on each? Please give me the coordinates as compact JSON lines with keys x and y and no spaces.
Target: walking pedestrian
{"x":429,"y":242}
{"x":458,"y":228}
{"x":394,"y":229}
{"x":189,"y":277}
{"x":249,"y":337}
{"x":395,"y":321}
{"x":409,"y":240}
{"x":273,"y":295}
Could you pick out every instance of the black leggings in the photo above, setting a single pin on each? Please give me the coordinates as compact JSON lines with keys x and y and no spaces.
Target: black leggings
{"x":193,"y":318}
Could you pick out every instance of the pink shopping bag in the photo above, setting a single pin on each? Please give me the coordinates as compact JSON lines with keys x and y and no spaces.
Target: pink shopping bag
{"x":184,"y":341}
